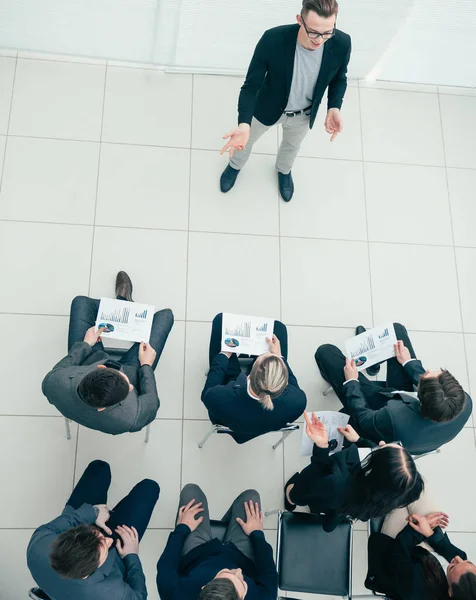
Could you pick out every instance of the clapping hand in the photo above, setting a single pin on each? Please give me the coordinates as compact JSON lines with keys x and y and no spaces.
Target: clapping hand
{"x":316,"y":431}
{"x":425,"y":525}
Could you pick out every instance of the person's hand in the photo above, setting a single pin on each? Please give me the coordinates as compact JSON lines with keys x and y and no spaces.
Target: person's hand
{"x":238,"y":139}
{"x":130,"y":541}
{"x":93,"y":335}
{"x":187,"y":514}
{"x":146,"y":354}
{"x":438,"y":519}
{"x":254,"y":518}
{"x":333,"y":123}
{"x":228,"y":354}
{"x":316,"y":431}
{"x":402,"y":353}
{"x":103,"y":517}
{"x":349,"y":433}
{"x":350,"y":370}
{"x":274,"y":345}
{"x":420,"y":523}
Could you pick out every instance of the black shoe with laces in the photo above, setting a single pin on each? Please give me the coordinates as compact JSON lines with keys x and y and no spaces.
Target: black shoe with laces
{"x":123,"y":286}
{"x":228,"y":178}
{"x":286,"y":186}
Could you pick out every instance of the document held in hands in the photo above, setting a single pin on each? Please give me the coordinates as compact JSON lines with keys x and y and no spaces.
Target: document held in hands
{"x":242,"y":334}
{"x":371,"y":347}
{"x":124,"y":320}
{"x":332,"y":420}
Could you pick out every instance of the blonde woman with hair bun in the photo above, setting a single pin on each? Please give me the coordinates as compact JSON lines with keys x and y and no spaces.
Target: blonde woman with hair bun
{"x":265,"y":400}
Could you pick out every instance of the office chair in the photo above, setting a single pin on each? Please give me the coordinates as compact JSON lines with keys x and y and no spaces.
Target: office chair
{"x":312,"y":561}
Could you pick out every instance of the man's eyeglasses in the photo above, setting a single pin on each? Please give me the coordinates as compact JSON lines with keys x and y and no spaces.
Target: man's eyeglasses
{"x":314,"y":35}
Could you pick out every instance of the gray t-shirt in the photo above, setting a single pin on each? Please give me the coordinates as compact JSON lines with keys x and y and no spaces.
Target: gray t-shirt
{"x":307,"y":64}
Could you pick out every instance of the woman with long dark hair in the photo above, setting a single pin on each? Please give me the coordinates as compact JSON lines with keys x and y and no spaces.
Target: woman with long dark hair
{"x":404,"y":570}
{"x":342,"y":485}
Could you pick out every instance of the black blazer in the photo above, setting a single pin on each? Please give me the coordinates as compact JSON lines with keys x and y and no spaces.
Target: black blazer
{"x":232,"y":406}
{"x":323,"y":484}
{"x":400,"y":419}
{"x":265,"y":93}
{"x":395,"y":565}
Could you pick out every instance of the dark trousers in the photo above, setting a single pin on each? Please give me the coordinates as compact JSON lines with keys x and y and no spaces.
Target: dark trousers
{"x":234,"y":533}
{"x":234,"y":369}
{"x":331,"y":363}
{"x":134,"y":510}
{"x":83,"y":315}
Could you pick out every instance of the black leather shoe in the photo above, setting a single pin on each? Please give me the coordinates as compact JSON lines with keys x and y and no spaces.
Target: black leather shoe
{"x":124,"y":286}
{"x":286,"y":186}
{"x":375,"y":369}
{"x":228,"y":178}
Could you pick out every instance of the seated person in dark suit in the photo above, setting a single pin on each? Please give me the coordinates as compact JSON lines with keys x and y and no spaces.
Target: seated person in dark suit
{"x":97,"y":392}
{"x":194,"y":565}
{"x":89,"y":552}
{"x":342,"y":485}
{"x":266,"y":400}
{"x":422,"y":421}
{"x":400,"y":567}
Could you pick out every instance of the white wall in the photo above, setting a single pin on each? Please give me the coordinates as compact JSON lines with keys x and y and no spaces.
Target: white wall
{"x":419,"y":41}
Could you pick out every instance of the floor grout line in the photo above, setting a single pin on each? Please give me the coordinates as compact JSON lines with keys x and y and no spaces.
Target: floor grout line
{"x":2,"y":171}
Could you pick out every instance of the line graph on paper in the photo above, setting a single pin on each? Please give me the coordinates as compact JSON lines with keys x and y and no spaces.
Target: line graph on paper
{"x":366,"y":345}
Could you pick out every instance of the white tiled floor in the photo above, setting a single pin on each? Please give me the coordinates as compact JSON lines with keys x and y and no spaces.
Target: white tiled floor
{"x":108,"y":167}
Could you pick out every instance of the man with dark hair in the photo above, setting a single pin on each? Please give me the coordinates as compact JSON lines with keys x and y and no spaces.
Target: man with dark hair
{"x":195,"y":565}
{"x":291,"y":68}
{"x":422,"y":409}
{"x":93,"y":390}
{"x":90,"y":552}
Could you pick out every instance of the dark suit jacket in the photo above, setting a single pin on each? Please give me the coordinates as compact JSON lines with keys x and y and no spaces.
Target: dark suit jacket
{"x":265,"y":93}
{"x":139,"y":408}
{"x":400,"y":420}
{"x":323,"y":484}
{"x":116,"y":579}
{"x":395,"y":565}
{"x":182,"y":578}
{"x":231,"y":405}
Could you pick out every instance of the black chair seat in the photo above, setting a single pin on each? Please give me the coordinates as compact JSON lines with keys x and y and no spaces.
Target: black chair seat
{"x":38,"y":594}
{"x":218,"y":529}
{"x":311,"y":560}
{"x":375,"y":524}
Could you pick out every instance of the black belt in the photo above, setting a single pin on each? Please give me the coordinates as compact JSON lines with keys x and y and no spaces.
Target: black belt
{"x":296,"y":113}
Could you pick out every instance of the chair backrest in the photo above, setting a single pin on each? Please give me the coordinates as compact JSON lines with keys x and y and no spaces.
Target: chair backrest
{"x":311,"y":560}
{"x":38,"y":594}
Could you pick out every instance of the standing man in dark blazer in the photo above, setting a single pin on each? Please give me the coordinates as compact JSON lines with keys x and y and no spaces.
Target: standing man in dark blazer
{"x":290,"y":70}
{"x":422,"y":409}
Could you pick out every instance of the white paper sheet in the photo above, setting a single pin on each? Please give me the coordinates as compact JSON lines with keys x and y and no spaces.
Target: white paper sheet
{"x":128,"y":321}
{"x":371,"y":347}
{"x":243,"y":334}
{"x":332,"y":420}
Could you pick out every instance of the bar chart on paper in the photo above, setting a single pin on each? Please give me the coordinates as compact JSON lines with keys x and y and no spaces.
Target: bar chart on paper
{"x":240,"y":330}
{"x":124,"y":320}
{"x":372,"y":346}
{"x":120,"y":315}
{"x":365,"y":346}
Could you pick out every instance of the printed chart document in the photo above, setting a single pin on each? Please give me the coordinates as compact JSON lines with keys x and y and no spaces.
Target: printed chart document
{"x":372,"y":346}
{"x":124,"y":320}
{"x":332,"y":420}
{"x":242,"y":334}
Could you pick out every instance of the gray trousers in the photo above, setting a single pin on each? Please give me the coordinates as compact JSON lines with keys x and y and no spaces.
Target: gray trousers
{"x":234,"y":533}
{"x":294,"y":131}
